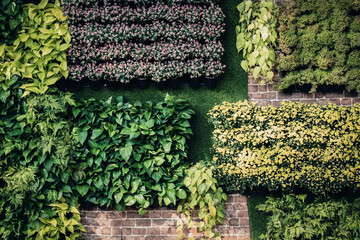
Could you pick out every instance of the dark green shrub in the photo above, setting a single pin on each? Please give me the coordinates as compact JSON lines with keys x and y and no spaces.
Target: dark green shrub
{"x":295,"y":217}
{"x":10,"y":20}
{"x":131,"y":155}
{"x":323,"y":34}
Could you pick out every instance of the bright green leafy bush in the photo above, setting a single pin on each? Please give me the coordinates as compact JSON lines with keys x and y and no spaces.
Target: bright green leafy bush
{"x":292,"y":217}
{"x":296,"y":145}
{"x":10,"y":20}
{"x":206,"y":195}
{"x":61,"y":221}
{"x":38,"y":54}
{"x":256,"y":37}
{"x":131,"y":155}
{"x":319,"y":44}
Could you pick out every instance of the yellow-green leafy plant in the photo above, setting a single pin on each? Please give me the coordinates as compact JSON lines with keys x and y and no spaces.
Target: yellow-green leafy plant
{"x":256,"y":37}
{"x":38,"y":54}
{"x":207,"y":197}
{"x":294,"y":146}
{"x":62,"y":221}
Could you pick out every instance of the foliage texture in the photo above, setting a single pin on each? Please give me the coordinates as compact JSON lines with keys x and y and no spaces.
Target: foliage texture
{"x":256,"y":37}
{"x":292,"y":217}
{"x":319,"y":44}
{"x":295,"y":145}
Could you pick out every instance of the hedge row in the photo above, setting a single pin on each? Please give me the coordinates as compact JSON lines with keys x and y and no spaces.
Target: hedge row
{"x":169,"y":13}
{"x":158,"y":71}
{"x":156,"y":41}
{"x":319,"y":43}
{"x":77,"y":3}
{"x":158,"y":51}
{"x":293,"y":146}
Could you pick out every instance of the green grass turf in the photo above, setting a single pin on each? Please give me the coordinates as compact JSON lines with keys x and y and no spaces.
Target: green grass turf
{"x":258,"y":219}
{"x":232,"y":87}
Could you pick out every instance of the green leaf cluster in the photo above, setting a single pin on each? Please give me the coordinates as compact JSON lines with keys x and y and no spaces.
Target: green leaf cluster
{"x":256,"y":37}
{"x":207,"y":196}
{"x":10,"y":20}
{"x":131,"y":154}
{"x":38,"y":54}
{"x":319,"y":44}
{"x":292,"y":217}
{"x":60,"y":221}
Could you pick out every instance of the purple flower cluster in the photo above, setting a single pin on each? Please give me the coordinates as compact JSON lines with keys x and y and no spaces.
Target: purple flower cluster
{"x":124,"y":71}
{"x":78,"y":3}
{"x":157,"y":51}
{"x":95,"y":33}
{"x":119,"y":40}
{"x":174,"y":13}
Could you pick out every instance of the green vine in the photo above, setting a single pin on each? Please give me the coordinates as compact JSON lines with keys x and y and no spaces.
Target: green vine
{"x":205,"y":195}
{"x":256,"y":37}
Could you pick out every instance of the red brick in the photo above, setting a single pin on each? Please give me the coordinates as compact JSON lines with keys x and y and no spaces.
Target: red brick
{"x":309,"y":95}
{"x":106,"y":231}
{"x":281,"y":95}
{"x":243,"y":214}
{"x":239,"y":206}
{"x":121,"y":231}
{"x":262,"y":103}
{"x":244,"y":222}
{"x":244,"y":237}
{"x":319,"y":95}
{"x":133,"y":238}
{"x":96,"y":215}
{"x":271,"y":96}
{"x":356,"y":100}
{"x":263,"y":88}
{"x":333,"y":95}
{"x":308,"y":101}
{"x":323,"y":102}
{"x":229,"y":238}
{"x":155,"y":214}
{"x":162,"y":222}
{"x":92,"y":230}
{"x":335,"y":101}
{"x":239,"y":198}
{"x":154,"y":237}
{"x":95,"y":222}
{"x":297,"y":95}
{"x":115,"y":215}
{"x":234,"y":222}
{"x":251,"y":79}
{"x":227,"y":230}
{"x":154,"y":231}
{"x":168,"y":231}
{"x":271,"y":88}
{"x":351,"y":94}
{"x":257,"y":96}
{"x":122,"y":222}
{"x":137,"y":215}
{"x":139,"y":231}
{"x":169,"y":214}
{"x":346,"y":102}
{"x":253,"y":88}
{"x":276,"y":103}
{"x":143,"y":222}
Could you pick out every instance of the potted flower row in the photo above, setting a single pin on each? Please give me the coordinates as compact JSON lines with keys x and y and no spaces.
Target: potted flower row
{"x":133,"y":2}
{"x":91,"y":34}
{"x":158,"y":51}
{"x":158,"y":71}
{"x":170,"y":13}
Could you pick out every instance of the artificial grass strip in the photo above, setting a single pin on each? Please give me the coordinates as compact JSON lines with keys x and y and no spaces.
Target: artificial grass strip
{"x":232,"y":88}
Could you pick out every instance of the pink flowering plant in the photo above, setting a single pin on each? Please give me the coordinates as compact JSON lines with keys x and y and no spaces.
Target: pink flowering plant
{"x":121,"y":40}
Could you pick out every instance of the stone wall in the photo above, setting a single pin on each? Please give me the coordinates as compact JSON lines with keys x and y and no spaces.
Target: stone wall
{"x":160,"y":223}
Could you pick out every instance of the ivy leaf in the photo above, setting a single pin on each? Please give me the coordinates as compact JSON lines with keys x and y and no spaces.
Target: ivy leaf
{"x":181,"y":194}
{"x":245,"y":65}
{"x":81,"y":136}
{"x":96,"y":133}
{"x":256,"y":72}
{"x":82,"y":189}
{"x":126,"y":151}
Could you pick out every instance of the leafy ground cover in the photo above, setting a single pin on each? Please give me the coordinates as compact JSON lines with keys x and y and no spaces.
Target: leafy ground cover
{"x":232,"y":87}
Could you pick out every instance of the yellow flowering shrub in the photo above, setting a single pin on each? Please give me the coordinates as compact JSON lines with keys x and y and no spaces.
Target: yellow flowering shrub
{"x":295,"y":145}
